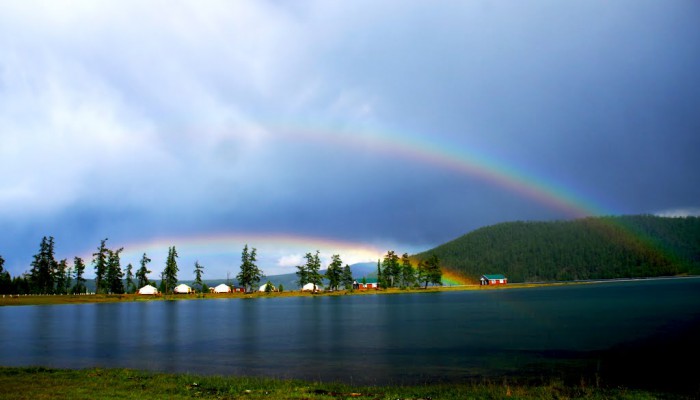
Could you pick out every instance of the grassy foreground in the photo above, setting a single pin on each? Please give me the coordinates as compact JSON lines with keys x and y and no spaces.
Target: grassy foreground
{"x":43,"y":383}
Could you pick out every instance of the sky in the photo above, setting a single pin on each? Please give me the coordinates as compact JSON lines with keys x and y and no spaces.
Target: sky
{"x":351,"y":128}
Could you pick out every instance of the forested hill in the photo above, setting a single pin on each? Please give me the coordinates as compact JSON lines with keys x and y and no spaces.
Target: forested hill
{"x":589,"y":248}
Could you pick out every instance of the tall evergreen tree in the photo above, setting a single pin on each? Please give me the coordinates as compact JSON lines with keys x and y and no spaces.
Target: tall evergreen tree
{"x":79,"y":267}
{"x":380,"y":277}
{"x":391,"y":268}
{"x":5,"y":279}
{"x":142,"y":273}
{"x":62,"y":277}
{"x":302,"y":275}
{"x":198,"y":271}
{"x":170,"y":271}
{"x":130,"y":287}
{"x":41,"y":276}
{"x":408,"y":276}
{"x":429,"y":271}
{"x":334,"y":272}
{"x":347,"y":278}
{"x":313,"y":268}
{"x":114,"y":275}
{"x":250,"y":274}
{"x":99,"y":260}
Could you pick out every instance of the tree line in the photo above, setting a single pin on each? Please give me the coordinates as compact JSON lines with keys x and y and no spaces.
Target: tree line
{"x":50,"y":276}
{"x":588,"y":248}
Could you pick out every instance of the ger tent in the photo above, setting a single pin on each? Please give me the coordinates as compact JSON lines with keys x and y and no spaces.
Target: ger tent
{"x":148,"y":289}
{"x":222,"y":288}
{"x":310,"y":287}
{"x":182,"y":289}
{"x":262,"y":288}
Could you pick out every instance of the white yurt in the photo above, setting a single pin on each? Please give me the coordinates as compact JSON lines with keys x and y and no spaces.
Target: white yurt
{"x":262,"y":288}
{"x":182,"y":289}
{"x":310,"y":287}
{"x":222,"y":288}
{"x":148,"y":289}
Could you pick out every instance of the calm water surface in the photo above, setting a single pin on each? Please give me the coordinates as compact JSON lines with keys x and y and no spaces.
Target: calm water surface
{"x":405,"y":338}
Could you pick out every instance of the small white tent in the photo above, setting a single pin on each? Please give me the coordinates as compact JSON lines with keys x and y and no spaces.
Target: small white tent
{"x":182,"y":289}
{"x":223,"y":288}
{"x":148,"y":289}
{"x":262,"y":288}
{"x":310,"y":287}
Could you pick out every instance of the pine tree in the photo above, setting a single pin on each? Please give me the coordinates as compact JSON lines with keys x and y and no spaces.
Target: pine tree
{"x":313,"y":268}
{"x":99,"y":259}
{"x":130,"y":287}
{"x":429,"y":271}
{"x":198,"y":271}
{"x":79,"y":267}
{"x":380,"y":277}
{"x":170,"y":271}
{"x":41,"y":276}
{"x":391,"y":268}
{"x":142,"y":273}
{"x":114,"y":274}
{"x":348,"y":281}
{"x":5,"y":279}
{"x":62,"y":277}
{"x":250,"y":274}
{"x":334,"y":273}
{"x":408,"y":277}
{"x":303,"y":275}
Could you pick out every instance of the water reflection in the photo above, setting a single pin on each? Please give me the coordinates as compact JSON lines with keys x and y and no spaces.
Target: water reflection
{"x":359,"y":339}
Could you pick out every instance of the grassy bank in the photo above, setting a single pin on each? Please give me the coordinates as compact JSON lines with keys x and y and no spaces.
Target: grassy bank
{"x":44,"y":383}
{"x":27,"y":300}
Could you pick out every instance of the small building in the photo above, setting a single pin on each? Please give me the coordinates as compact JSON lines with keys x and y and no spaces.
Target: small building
{"x":182,"y":289}
{"x":368,"y":284}
{"x":238,"y":289}
{"x":493,"y":279}
{"x":222,"y":288}
{"x":148,"y":289}
{"x":310,"y":287}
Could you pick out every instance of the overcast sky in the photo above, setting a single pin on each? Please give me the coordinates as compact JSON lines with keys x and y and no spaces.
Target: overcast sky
{"x":349,"y":127}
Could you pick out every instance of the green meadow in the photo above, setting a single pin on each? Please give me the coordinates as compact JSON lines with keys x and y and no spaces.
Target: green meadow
{"x":46,"y":383}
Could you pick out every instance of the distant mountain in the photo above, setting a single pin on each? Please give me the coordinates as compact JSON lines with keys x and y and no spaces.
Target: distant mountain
{"x":589,"y":248}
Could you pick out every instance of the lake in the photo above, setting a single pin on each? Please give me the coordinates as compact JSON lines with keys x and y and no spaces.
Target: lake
{"x":623,"y":332}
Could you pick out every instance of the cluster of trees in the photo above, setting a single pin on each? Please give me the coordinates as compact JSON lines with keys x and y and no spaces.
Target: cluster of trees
{"x":588,"y":248}
{"x":49,"y":276}
{"x":395,"y":272}
{"x":336,"y":274}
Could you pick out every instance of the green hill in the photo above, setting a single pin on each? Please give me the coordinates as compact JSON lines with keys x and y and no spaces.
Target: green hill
{"x":589,"y":248}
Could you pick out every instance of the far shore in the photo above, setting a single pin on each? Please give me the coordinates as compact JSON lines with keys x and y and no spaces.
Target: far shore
{"x":28,"y":300}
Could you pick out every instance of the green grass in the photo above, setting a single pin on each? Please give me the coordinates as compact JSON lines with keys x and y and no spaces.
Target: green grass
{"x":38,"y":383}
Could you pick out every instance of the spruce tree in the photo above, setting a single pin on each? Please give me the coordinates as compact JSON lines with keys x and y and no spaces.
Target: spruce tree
{"x":391,"y":268}
{"x":79,"y":267}
{"x":62,"y":277}
{"x":198,"y":271}
{"x":249,"y":274}
{"x":408,"y":276}
{"x":114,"y":275}
{"x":129,"y":286}
{"x":99,"y":260}
{"x":171,"y":269}
{"x":302,"y":275}
{"x":42,"y":274}
{"x":142,"y":273}
{"x":5,"y":279}
{"x":348,"y":281}
{"x":334,"y":273}
{"x":313,"y":268}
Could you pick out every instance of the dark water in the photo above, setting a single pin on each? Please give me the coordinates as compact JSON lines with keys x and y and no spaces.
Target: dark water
{"x":633,"y":333}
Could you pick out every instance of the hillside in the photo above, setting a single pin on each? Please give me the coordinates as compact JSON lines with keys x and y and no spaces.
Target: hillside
{"x":589,"y":248}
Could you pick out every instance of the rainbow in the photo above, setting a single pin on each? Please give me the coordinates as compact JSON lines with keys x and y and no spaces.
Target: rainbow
{"x":415,"y":148}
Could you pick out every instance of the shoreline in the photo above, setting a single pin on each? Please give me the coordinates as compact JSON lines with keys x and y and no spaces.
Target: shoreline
{"x":34,"y":300}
